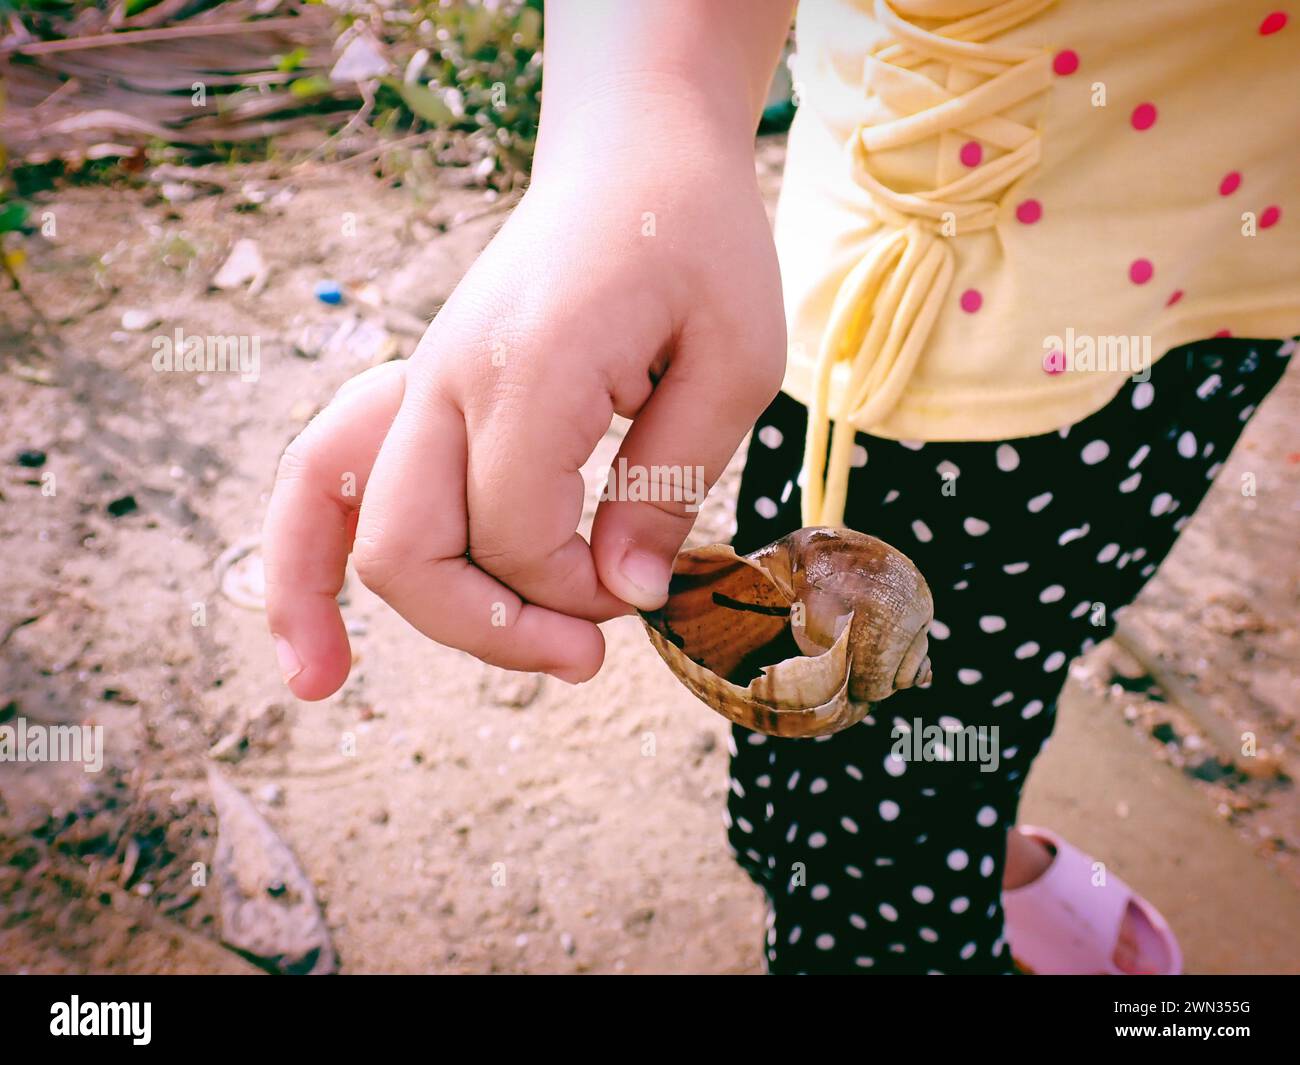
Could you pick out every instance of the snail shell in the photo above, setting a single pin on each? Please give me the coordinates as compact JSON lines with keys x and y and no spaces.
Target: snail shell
{"x":799,"y":638}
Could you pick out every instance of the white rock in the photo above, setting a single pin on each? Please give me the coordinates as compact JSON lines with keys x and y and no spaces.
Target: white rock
{"x":244,"y":264}
{"x":178,"y":192}
{"x":137,"y":319}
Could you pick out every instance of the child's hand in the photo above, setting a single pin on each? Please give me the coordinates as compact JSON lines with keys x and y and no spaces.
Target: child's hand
{"x":644,"y":285}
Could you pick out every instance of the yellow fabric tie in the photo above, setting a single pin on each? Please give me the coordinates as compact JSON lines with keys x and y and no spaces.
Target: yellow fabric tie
{"x":887,"y":305}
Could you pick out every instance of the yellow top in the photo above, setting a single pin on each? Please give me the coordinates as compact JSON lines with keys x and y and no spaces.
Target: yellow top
{"x":991,"y":210}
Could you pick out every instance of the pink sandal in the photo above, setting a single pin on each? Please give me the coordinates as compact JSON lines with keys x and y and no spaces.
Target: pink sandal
{"x":1061,"y":925}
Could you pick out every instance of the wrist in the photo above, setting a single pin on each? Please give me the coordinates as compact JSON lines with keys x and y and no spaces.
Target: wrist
{"x":637,"y":125}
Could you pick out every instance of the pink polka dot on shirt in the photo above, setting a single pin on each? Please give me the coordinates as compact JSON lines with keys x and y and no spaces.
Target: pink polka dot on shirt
{"x":1066,"y":62}
{"x":1029,"y":212}
{"x":1144,"y":116}
{"x":1141,"y":271}
{"x":971,"y":300}
{"x":971,"y":153}
{"x":1270,"y":216}
{"x":1231,"y":183}
{"x":1273,"y":22}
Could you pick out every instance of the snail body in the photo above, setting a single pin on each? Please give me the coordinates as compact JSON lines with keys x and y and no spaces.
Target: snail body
{"x":799,"y":638}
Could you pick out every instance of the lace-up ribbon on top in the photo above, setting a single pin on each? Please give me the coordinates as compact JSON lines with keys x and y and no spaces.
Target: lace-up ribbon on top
{"x":887,"y":305}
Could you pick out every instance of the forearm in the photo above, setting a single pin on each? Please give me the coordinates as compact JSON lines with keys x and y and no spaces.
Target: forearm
{"x":654,"y":75}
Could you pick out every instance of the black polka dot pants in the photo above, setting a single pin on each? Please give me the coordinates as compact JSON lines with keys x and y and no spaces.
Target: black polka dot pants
{"x":878,"y":853}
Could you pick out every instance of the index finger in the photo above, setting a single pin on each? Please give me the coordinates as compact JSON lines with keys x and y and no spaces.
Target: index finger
{"x":310,"y":523}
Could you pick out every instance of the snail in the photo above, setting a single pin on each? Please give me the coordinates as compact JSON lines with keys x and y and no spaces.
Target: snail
{"x":799,"y":638}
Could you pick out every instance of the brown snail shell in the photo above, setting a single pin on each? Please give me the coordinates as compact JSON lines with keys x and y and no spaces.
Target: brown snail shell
{"x":799,"y":638}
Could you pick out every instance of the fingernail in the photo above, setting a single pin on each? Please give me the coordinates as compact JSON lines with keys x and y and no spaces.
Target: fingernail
{"x":648,"y":575}
{"x":569,"y":676}
{"x":290,"y":663}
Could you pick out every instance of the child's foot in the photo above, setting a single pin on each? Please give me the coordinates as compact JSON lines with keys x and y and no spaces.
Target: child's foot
{"x":1140,"y":947}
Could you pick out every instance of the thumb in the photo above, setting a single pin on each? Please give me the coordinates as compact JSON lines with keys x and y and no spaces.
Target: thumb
{"x":679,"y":443}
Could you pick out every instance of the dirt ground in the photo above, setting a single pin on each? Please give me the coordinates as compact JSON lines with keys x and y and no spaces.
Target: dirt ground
{"x":452,"y":818}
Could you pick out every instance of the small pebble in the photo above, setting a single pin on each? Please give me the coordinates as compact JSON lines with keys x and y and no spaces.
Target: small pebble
{"x":567,"y":944}
{"x":176,"y":192}
{"x":302,"y":410}
{"x":123,"y":506}
{"x":137,"y":319}
{"x":31,"y":458}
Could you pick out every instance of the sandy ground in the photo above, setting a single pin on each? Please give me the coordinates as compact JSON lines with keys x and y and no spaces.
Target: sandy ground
{"x":454,"y":818}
